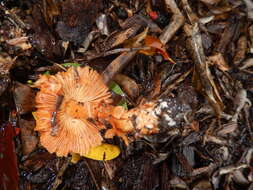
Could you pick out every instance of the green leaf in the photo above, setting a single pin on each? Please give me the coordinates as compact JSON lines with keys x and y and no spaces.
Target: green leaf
{"x":113,"y":86}
{"x":71,"y":64}
{"x":46,"y":73}
{"x":123,"y":103}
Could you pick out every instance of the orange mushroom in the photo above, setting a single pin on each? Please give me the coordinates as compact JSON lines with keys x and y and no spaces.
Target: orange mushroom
{"x":73,"y":106}
{"x":65,"y":103}
{"x":141,"y":120}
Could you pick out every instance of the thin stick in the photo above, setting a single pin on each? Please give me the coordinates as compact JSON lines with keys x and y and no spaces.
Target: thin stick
{"x":117,"y":65}
{"x":14,"y":18}
{"x":111,"y":52}
{"x":92,"y":175}
{"x":175,"y":24}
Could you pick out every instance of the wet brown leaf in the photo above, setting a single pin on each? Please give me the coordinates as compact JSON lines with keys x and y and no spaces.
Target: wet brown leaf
{"x":128,"y":85}
{"x":119,"y":38}
{"x":205,"y":184}
{"x":28,"y":136}
{"x":50,"y":10}
{"x":42,"y":38}
{"x":24,"y":98}
{"x":21,"y":42}
{"x":77,"y":18}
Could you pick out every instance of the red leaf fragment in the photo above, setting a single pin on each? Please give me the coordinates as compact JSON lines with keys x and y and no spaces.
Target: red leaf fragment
{"x":8,"y":160}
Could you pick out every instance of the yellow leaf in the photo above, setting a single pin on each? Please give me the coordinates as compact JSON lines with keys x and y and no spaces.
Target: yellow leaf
{"x":103,"y":152}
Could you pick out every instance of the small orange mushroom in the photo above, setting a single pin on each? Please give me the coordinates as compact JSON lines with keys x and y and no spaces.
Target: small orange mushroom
{"x":81,"y":90}
{"x":73,"y":106}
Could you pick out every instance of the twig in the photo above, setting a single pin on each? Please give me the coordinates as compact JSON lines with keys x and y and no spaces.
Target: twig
{"x":87,"y":41}
{"x":111,"y":52}
{"x":117,"y":65}
{"x":121,"y":61}
{"x":193,"y":18}
{"x":58,"y":178}
{"x":177,"y":81}
{"x":92,"y":174}
{"x":202,"y":71}
{"x":177,"y":22}
{"x":13,"y":18}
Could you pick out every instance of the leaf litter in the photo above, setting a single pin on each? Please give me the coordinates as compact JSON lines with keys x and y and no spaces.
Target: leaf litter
{"x":188,"y":64}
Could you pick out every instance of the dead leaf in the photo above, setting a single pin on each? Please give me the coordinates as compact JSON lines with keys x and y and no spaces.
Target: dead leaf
{"x":42,"y":38}
{"x":28,"y":136}
{"x":77,"y":19}
{"x":51,"y":10}
{"x":128,"y":85}
{"x":219,"y":61}
{"x":118,"y":38}
{"x":157,"y":86}
{"x":241,"y":50}
{"x":156,"y":46}
{"x":24,"y":98}
{"x":21,"y":42}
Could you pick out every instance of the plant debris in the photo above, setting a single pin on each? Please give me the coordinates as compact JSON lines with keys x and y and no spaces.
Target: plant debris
{"x":162,"y":87}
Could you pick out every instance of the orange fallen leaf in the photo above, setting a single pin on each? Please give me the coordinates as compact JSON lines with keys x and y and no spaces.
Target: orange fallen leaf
{"x":156,"y":46}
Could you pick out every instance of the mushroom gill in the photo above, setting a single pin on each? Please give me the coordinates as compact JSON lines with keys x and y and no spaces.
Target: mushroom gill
{"x":64,"y":105}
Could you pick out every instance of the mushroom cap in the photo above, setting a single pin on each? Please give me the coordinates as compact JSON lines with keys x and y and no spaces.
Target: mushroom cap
{"x":65,"y":104}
